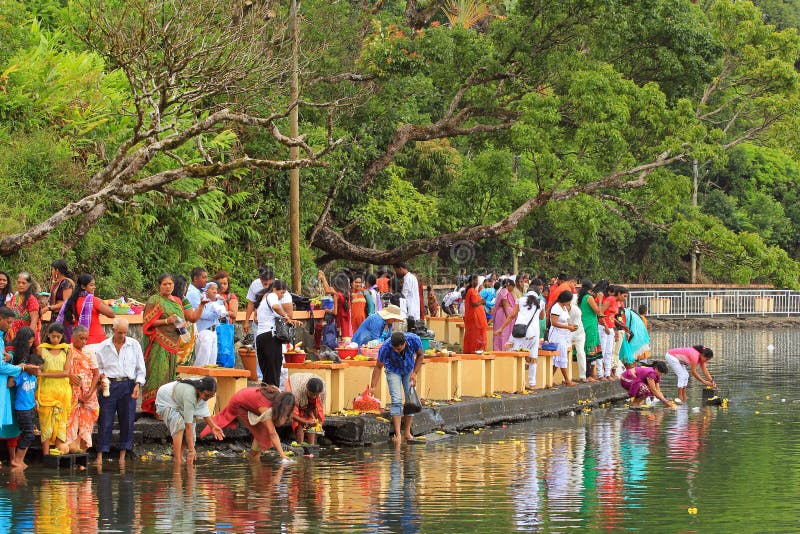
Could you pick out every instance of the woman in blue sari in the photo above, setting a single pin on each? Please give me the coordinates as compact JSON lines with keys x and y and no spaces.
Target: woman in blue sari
{"x":635,"y":341}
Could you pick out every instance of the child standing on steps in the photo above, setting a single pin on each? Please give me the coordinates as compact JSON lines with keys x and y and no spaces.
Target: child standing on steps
{"x":55,"y":391}
{"x":21,"y":352}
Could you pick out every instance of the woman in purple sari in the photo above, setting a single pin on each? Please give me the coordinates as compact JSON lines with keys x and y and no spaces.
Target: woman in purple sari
{"x":643,"y":382}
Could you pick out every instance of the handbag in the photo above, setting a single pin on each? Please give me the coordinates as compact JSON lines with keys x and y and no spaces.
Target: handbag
{"x":284,"y":332}
{"x":412,"y":404}
{"x":519,"y":331}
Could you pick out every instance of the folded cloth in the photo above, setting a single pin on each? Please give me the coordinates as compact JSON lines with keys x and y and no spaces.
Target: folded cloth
{"x":254,"y":418}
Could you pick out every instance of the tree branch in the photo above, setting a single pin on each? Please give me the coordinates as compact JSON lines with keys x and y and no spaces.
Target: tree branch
{"x":336,"y":246}
{"x":411,"y":132}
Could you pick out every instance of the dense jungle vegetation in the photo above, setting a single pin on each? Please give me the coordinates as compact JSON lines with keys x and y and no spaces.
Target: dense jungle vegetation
{"x":144,"y":136}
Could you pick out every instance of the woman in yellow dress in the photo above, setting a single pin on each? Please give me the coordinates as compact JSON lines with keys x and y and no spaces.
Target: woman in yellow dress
{"x":54,"y":394}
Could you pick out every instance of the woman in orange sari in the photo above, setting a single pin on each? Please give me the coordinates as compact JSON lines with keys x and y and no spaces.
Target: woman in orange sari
{"x":358,"y":303}
{"x":168,"y":338}
{"x":85,"y":408}
{"x":474,"y":318}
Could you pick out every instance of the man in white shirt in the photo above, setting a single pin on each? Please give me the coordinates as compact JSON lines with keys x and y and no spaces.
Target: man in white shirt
{"x":410,"y":290}
{"x":120,"y":360}
{"x":266,"y":277}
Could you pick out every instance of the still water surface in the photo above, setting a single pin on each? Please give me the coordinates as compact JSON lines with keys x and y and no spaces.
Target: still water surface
{"x":611,"y":469}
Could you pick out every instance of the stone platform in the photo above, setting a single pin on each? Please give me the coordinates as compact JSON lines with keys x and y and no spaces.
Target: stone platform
{"x":474,"y":412}
{"x":471,"y":412}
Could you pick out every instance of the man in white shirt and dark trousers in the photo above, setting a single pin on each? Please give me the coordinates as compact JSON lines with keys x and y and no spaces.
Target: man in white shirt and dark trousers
{"x":410,"y":290}
{"x":120,"y":360}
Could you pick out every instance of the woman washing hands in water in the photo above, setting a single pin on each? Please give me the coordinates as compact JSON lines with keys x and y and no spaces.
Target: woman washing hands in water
{"x":693,"y":357}
{"x":179,"y":404}
{"x":643,"y":382}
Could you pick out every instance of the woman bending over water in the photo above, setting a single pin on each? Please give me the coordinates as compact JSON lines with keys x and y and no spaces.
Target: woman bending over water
{"x":680,"y":358}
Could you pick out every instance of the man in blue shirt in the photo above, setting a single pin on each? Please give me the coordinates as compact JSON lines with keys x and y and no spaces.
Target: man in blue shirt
{"x":401,"y":357}
{"x":378,"y":325}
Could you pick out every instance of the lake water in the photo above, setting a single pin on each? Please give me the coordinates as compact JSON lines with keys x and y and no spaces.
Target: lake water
{"x":610,"y":469}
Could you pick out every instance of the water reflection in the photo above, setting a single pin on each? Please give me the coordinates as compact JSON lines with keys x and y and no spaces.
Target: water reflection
{"x":612,"y":469}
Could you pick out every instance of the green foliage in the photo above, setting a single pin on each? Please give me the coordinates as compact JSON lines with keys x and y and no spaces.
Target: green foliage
{"x":401,"y":208}
{"x":596,"y":87}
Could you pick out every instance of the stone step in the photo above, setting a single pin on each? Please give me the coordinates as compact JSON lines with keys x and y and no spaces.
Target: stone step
{"x":65,"y":461}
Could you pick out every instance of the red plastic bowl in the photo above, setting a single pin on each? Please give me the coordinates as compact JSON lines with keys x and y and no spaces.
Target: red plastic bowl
{"x":295,"y":357}
{"x":347,"y":354}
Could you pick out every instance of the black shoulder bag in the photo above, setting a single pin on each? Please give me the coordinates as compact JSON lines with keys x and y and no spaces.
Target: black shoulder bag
{"x":519,"y":331}
{"x":284,"y":332}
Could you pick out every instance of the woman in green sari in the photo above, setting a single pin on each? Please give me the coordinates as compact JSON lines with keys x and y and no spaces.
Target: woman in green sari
{"x":168,"y":338}
{"x":589,"y":312}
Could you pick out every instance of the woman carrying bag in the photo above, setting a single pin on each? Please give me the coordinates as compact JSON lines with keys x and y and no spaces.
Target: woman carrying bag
{"x":525,"y":334}
{"x":274,"y":307}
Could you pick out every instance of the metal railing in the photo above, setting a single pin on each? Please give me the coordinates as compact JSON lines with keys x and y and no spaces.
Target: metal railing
{"x":723,"y":302}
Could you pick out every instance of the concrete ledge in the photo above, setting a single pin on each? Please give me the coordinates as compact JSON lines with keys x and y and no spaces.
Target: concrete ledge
{"x":471,"y":412}
{"x":476,"y":412}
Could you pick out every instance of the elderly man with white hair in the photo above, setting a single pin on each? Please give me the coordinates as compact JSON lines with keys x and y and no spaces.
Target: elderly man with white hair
{"x":120,"y":360}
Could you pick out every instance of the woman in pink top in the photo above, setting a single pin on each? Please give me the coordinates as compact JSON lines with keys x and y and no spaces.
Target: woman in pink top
{"x":691,"y":357}
{"x":503,"y":307}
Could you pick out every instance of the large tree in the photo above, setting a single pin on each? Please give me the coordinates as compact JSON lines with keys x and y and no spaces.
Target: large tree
{"x":567,"y":98}
{"x":196,"y":74}
{"x":419,"y":134}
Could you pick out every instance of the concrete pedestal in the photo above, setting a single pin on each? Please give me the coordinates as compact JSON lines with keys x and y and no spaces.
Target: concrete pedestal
{"x":477,"y":374}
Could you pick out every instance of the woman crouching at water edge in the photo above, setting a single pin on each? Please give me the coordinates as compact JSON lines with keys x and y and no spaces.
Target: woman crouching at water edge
{"x":691,"y":357}
{"x":308,"y":412}
{"x":178,"y":404}
{"x":643,"y":382}
{"x":261,"y":409}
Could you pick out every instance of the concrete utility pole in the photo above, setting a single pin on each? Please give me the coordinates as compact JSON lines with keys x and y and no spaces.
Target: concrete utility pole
{"x":695,"y":186}
{"x":294,"y":152}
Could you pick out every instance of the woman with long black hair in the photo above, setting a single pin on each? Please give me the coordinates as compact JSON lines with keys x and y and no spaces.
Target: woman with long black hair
{"x":179,"y":404}
{"x":82,"y":308}
{"x":269,"y":350}
{"x":261,"y":409}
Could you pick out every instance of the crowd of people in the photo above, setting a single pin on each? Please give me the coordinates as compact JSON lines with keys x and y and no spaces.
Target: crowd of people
{"x":583,"y":321}
{"x":66,"y":377}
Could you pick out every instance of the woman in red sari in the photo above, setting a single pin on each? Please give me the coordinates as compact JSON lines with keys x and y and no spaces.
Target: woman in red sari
{"x":261,"y":409}
{"x":26,"y":306}
{"x":474,"y":318}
